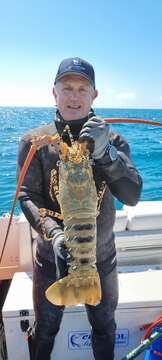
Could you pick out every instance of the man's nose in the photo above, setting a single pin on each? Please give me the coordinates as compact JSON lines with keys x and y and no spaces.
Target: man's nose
{"x":75,"y":95}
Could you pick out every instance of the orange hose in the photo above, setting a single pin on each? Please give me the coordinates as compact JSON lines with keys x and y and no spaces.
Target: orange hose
{"x":132,"y":121}
{"x":20,"y":181}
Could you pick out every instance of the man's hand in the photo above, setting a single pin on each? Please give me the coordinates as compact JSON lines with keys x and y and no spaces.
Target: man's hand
{"x":61,"y":255}
{"x":96,"y":133}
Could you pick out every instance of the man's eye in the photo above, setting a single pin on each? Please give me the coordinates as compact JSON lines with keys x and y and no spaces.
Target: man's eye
{"x":83,"y":90}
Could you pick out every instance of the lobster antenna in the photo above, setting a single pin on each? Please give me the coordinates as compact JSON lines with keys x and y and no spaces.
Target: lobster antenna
{"x":67,"y":129}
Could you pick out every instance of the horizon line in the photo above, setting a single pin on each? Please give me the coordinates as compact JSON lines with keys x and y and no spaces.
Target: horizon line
{"x":54,"y":107}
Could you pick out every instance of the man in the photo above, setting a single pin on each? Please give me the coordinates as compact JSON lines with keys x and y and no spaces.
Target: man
{"x":74,"y":92}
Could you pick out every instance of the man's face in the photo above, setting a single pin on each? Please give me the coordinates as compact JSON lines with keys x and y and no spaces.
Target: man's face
{"x":74,"y":96}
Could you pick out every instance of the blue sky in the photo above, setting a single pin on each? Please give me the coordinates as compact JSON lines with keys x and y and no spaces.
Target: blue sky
{"x":121,"y":38}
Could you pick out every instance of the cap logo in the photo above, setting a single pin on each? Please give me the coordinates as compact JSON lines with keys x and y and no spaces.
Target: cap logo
{"x":76,"y":62}
{"x":76,"y":65}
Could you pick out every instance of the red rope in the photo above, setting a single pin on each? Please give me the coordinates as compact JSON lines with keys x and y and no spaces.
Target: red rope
{"x":150,"y":329}
{"x":157,"y":353}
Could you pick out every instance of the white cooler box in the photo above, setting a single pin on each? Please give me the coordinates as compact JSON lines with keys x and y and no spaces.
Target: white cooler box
{"x":140,"y":303}
{"x":139,"y":241}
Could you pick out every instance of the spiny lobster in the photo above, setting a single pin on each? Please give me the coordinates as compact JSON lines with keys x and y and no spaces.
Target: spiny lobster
{"x":78,"y":202}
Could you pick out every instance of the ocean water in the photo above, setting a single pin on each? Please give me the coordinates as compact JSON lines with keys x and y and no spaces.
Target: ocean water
{"x":145,"y":142}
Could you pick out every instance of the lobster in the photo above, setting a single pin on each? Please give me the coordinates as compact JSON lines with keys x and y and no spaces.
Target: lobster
{"x":78,"y":201}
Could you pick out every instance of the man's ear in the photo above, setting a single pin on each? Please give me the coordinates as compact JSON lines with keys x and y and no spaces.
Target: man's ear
{"x":54,"y":93}
{"x":95,"y":94}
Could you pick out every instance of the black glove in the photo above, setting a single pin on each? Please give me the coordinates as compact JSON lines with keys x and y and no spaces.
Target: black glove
{"x":96,"y":132}
{"x":61,"y":254}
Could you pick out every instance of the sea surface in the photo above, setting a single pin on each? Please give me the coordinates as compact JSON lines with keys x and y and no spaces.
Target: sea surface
{"x":145,"y":142}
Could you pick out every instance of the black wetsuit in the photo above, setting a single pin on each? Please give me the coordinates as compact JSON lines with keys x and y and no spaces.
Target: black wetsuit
{"x":122,"y":181}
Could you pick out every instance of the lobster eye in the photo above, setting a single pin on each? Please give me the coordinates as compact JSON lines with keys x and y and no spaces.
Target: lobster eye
{"x":58,"y":163}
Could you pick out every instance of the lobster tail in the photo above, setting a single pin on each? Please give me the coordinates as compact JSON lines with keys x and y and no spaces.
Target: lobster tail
{"x":76,"y":288}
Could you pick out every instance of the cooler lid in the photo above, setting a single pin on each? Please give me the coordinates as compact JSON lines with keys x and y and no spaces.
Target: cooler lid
{"x":140,"y":289}
{"x":19,"y":301}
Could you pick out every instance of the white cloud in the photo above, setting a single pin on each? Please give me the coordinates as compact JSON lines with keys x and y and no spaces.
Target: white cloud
{"x":125,"y":96}
{"x":109,"y":97}
{"x":160,"y":97}
{"x":109,"y":91}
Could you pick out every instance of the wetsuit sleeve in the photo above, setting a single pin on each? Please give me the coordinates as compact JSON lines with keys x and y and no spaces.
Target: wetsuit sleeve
{"x":31,"y":193}
{"x":121,"y":176}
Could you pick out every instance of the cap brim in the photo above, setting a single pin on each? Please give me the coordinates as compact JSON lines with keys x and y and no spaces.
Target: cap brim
{"x":74,"y":73}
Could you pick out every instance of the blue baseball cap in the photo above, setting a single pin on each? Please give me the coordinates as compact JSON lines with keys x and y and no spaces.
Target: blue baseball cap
{"x":77,"y":66}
